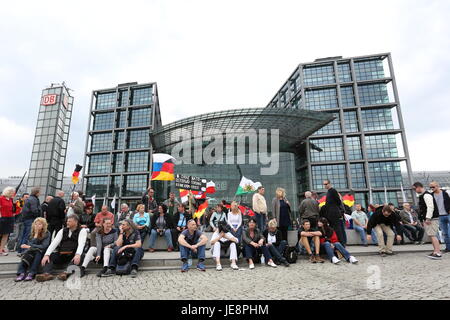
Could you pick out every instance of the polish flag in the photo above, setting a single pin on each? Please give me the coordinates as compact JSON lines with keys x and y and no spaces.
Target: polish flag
{"x":210,"y":187}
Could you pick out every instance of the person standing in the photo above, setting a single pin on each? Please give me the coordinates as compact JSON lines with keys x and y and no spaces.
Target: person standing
{"x":31,"y":210}
{"x":76,"y":206}
{"x":429,"y":213}
{"x":259,"y":207}
{"x":44,"y":206}
{"x":7,"y":210}
{"x":56,"y":213}
{"x":281,"y":212}
{"x":384,"y":220}
{"x":334,"y":211}
{"x":411,"y":223}
{"x":172,"y":205}
{"x":443,"y":203}
{"x":309,"y":209}
{"x":149,"y":201}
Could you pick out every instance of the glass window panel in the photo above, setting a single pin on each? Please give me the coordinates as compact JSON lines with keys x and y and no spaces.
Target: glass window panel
{"x":134,"y":185}
{"x":333,"y":127}
{"x":382,"y":173}
{"x":370,"y":94}
{"x":337,"y":174}
{"x":358,"y":175}
{"x":118,"y":163}
{"x":332,"y":149}
{"x":369,"y":70}
{"x":347,"y":97}
{"x":106,"y":101}
{"x":142,"y":96}
{"x":321,"y":99}
{"x":97,"y":186}
{"x":114,"y":188}
{"x":139,"y":139}
{"x":345,"y":74}
{"x":101,"y":142}
{"x":103,"y":121}
{"x":354,"y":148}
{"x":137,"y":161}
{"x":99,"y":163}
{"x":123,"y":100}
{"x":318,"y":75}
{"x":381,"y":146}
{"x":377,"y":119}
{"x":351,"y":121}
{"x":140,"y":117}
{"x":121,"y":119}
{"x":119,"y":142}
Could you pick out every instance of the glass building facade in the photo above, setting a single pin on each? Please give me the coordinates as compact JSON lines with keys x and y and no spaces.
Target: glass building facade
{"x":365,"y":146}
{"x":118,"y":147}
{"x":51,"y":137}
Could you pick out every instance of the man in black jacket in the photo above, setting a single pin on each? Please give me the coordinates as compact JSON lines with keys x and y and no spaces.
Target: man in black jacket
{"x":44,"y":206}
{"x":334,"y":211}
{"x":56,"y":213}
{"x":149,"y":201}
{"x":383,"y":220}
{"x":31,"y":210}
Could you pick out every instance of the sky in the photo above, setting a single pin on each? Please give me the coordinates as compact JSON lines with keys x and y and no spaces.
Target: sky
{"x":215,"y":55}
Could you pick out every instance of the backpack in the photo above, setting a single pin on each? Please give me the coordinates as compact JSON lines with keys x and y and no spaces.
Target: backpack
{"x":124,"y":262}
{"x":291,"y":254}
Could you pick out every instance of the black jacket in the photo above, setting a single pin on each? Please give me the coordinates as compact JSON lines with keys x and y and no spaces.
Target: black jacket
{"x":56,"y":211}
{"x":176,"y":217}
{"x":150,"y":206}
{"x":278,"y":236}
{"x":88,"y":220}
{"x":32,"y":208}
{"x":378,"y":218}
{"x":333,"y":210}
{"x":169,"y":222}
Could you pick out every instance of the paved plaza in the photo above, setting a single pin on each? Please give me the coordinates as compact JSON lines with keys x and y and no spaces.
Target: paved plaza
{"x":403,"y":276}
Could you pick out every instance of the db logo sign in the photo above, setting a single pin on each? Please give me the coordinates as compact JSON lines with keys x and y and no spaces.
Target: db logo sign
{"x":48,"y":100}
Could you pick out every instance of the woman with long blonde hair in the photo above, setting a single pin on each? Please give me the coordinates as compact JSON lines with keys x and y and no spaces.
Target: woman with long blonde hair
{"x":235,"y":220}
{"x":35,"y":248}
{"x":281,"y":211}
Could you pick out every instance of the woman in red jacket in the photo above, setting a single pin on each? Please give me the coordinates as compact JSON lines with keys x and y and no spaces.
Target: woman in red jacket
{"x":7,"y":209}
{"x":329,"y":242}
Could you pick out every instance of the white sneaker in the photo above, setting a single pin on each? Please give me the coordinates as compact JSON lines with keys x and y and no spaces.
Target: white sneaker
{"x":273,"y":265}
{"x":335,"y":260}
{"x":219,"y":267}
{"x":234,"y":266}
{"x":251,"y":266}
{"x":353,"y":260}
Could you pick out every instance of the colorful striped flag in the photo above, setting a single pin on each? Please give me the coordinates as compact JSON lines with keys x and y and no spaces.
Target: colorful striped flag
{"x":163,"y":167}
{"x":76,"y":174}
{"x":201,"y":210}
{"x":348,"y":200}
{"x":322,"y":201}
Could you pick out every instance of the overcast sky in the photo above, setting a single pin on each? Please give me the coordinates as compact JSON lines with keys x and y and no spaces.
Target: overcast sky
{"x":215,"y":55}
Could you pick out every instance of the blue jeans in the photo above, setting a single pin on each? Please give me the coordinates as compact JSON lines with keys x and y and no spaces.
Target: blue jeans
{"x":185,"y":253}
{"x":238,"y":234}
{"x":25,"y":235}
{"x":167,"y":235}
{"x":363,"y":234}
{"x":138,"y":254}
{"x":278,"y":251}
{"x":34,"y":266}
{"x":444,"y":224}
{"x":261,"y":221}
{"x":250,"y":252}
{"x":338,"y":246}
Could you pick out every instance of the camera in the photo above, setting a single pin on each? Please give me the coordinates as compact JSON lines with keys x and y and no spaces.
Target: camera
{"x":223,"y":227}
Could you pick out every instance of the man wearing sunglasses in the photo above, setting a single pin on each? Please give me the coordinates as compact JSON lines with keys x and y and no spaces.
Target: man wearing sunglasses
{"x":429,"y":213}
{"x":443,"y":203}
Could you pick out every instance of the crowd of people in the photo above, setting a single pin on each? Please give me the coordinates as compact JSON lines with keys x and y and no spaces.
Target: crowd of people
{"x":70,"y":234}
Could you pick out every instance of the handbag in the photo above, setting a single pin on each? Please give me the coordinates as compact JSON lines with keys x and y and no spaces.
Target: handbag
{"x":29,"y":255}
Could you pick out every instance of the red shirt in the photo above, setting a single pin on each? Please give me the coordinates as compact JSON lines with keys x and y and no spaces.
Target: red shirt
{"x":100,"y":216}
{"x":333,"y":238}
{"x":6,"y":207}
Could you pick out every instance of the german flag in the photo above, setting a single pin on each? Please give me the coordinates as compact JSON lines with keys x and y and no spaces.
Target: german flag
{"x":349,"y":200}
{"x":76,"y":173}
{"x":322,"y":201}
{"x":201,"y":210}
